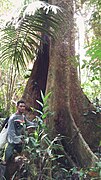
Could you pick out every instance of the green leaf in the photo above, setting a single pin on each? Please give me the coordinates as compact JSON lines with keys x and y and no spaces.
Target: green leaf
{"x":22,"y":35}
{"x":42,"y":96}
{"x":36,"y":135}
{"x":46,"y":97}
{"x":57,"y":157}
{"x":39,"y":103}
{"x":40,"y":112}
{"x":45,"y":115}
{"x":44,"y":136}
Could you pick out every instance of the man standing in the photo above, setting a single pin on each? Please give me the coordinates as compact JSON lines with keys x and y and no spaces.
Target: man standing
{"x":16,"y":124}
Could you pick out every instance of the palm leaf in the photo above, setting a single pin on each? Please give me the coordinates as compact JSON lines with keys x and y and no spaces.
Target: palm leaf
{"x":22,"y":34}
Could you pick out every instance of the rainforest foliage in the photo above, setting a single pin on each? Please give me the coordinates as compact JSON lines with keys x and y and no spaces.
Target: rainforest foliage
{"x":21,"y":45}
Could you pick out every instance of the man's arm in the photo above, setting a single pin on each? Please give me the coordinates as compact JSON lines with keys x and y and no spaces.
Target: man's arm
{"x":11,"y":136}
{"x":30,"y":124}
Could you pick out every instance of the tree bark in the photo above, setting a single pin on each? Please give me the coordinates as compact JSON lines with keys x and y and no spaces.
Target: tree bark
{"x":38,"y":78}
{"x":68,"y":103}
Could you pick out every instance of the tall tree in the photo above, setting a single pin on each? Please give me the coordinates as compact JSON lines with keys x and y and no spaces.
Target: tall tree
{"x":68,"y":102}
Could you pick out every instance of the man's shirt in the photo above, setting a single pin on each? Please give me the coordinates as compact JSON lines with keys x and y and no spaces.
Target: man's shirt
{"x":16,"y":125}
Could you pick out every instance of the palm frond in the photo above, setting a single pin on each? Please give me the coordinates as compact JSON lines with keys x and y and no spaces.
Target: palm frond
{"x":22,"y":34}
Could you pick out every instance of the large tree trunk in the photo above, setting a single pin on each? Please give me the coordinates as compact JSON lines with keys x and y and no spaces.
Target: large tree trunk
{"x":62,"y":77}
{"x":68,"y":102}
{"x":83,"y":112}
{"x":38,"y":78}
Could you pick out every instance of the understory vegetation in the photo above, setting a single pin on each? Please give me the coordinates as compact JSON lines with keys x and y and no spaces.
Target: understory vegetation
{"x":44,"y":157}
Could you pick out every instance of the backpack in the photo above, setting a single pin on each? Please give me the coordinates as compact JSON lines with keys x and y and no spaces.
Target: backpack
{"x":5,"y":123}
{"x":3,"y":133}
